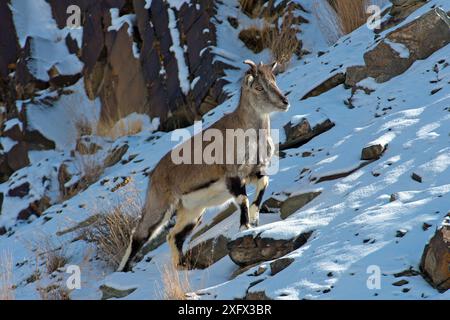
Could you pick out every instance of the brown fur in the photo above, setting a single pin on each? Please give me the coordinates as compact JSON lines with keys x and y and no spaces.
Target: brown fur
{"x":188,"y":189}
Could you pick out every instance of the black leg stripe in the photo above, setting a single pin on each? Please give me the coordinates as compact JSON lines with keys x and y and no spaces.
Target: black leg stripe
{"x":244,"y":214}
{"x":259,"y":197}
{"x":181,"y":236}
{"x":236,"y":187}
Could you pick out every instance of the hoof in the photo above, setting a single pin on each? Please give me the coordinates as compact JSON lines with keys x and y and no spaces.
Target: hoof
{"x":244,"y":227}
{"x":254,"y":224}
{"x":183,"y":264}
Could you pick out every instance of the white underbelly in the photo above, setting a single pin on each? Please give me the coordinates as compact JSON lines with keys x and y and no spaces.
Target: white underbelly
{"x":214,"y":195}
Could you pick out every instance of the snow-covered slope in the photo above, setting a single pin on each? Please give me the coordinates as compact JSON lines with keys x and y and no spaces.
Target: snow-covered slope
{"x":355,"y":223}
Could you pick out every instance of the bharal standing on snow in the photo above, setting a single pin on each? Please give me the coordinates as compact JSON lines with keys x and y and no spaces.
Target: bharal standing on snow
{"x":185,"y":190}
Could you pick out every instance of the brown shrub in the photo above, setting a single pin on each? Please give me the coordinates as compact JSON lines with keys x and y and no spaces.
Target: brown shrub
{"x":282,"y":41}
{"x":176,"y":283}
{"x":280,"y":38}
{"x":6,"y":277}
{"x":351,"y":13}
{"x":111,"y":232}
{"x":90,"y":168}
{"x":54,"y":292}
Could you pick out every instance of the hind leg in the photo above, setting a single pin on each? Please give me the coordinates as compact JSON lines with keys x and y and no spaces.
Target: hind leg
{"x":186,"y":221}
{"x":142,"y":235}
{"x":157,"y":213}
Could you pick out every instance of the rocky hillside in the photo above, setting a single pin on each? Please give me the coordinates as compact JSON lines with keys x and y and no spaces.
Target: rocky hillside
{"x":362,"y":189}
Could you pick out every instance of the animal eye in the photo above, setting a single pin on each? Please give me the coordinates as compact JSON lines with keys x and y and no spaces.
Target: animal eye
{"x":259,"y":88}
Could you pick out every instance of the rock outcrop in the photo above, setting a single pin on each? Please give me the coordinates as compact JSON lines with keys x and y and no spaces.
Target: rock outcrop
{"x":300,"y":133}
{"x":153,"y":59}
{"x":402,"y":8}
{"x":294,"y":203}
{"x":206,"y":253}
{"x":372,"y":152}
{"x":394,"y":54}
{"x":435,"y":263}
{"x":248,"y":250}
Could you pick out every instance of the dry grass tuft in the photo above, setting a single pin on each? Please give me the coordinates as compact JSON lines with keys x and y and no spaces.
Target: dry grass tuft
{"x":114,"y":129}
{"x":90,"y":168}
{"x":282,"y":41}
{"x":55,"y":259}
{"x":83,"y":126}
{"x":253,"y":8}
{"x":278,"y":34}
{"x":54,"y":292}
{"x":112,"y":231}
{"x":176,"y":283}
{"x":351,"y":13}
{"x":6,"y":277}
{"x":54,"y":256}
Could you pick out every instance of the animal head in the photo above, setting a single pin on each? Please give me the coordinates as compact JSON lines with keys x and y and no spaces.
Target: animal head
{"x":261,"y":88}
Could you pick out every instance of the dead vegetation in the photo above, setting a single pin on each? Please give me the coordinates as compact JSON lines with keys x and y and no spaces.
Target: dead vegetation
{"x":351,"y":13}
{"x":283,"y":42}
{"x":112,"y":230}
{"x":176,"y":283}
{"x":278,"y":33}
{"x":54,"y":292}
{"x":6,"y":277}
{"x":52,"y":255}
{"x":120,"y":128}
{"x":90,"y":169}
{"x":83,"y":126}
{"x":112,"y":127}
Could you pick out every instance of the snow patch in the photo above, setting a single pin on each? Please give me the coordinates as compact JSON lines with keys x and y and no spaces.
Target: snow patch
{"x":400,"y":48}
{"x":183,"y":70}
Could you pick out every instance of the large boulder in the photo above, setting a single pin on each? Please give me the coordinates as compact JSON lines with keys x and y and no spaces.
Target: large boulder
{"x":108,"y":292}
{"x":372,"y":152}
{"x":206,"y":253}
{"x":394,"y":54}
{"x":248,"y":249}
{"x":435,"y":263}
{"x":300,"y":133}
{"x":402,"y":8}
{"x":294,"y":203}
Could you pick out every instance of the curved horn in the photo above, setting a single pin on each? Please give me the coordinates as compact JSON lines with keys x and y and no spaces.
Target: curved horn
{"x":251,"y":64}
{"x":274,"y":66}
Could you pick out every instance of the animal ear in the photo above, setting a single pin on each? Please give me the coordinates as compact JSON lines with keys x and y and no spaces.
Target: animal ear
{"x":249,"y":80}
{"x":274,"y":66}
{"x":252,"y":65}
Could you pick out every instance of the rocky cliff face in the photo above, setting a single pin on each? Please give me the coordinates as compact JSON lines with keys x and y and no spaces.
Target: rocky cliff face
{"x":134,"y":56}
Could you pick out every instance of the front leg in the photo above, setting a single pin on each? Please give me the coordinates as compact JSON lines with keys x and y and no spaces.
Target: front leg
{"x":236,"y":187}
{"x":261,"y":181}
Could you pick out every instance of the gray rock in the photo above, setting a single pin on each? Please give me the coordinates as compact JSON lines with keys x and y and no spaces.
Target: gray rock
{"x":279,"y":265}
{"x":247,"y":250}
{"x":421,"y":37}
{"x":301,"y":133}
{"x":293,"y":204}
{"x":207,"y":253}
{"x":402,"y":8}
{"x":109,"y":292}
{"x":372,"y":152}
{"x":115,"y":155}
{"x":436,"y":258}
{"x":327,"y":85}
{"x":416,"y":177}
